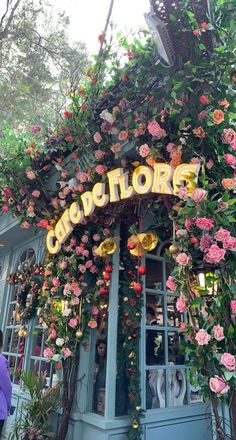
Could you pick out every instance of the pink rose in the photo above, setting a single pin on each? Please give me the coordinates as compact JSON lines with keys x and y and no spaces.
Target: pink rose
{"x":230,"y":159}
{"x":48,"y":352}
{"x":99,"y":154}
{"x":97,"y":137}
{"x":63,"y":264}
{"x":202,"y":337}
{"x":218,"y":385}
{"x":218,"y":332}
{"x":181,"y":304}
{"x":204,"y":223}
{"x":214,"y":255}
{"x":67,"y":287}
{"x":182,"y":327}
{"x":82,"y":177}
{"x":205,"y":242}
{"x":183,"y":259}
{"x":144,"y":150}
{"x":75,"y":301}
{"x":93,"y":269}
{"x":36,"y":193}
{"x":170,"y":147}
{"x":56,"y":282}
{"x":188,"y":224}
{"x":55,"y":202}
{"x":155,"y":129}
{"x":202,"y":115}
{"x":53,"y":334}
{"x":78,"y":250}
{"x":67,"y":352}
{"x":228,"y":360}
{"x":95,"y":310}
{"x":73,"y":322}
{"x":96,"y":237}
{"x":25,"y":225}
{"x":198,"y":195}
{"x":100,"y":169}
{"x":171,"y":284}
{"x":229,"y":137}
{"x":222,"y":205}
{"x":77,"y":291}
{"x":30,"y":174}
{"x":209,"y":164}
{"x":116,"y":148}
{"x":182,"y":193}
{"x":222,"y":234}
{"x":229,"y":243}
{"x":123,"y":135}
{"x":82,"y":268}
{"x":233,"y":305}
{"x":88,"y":264}
{"x":5,"y":208}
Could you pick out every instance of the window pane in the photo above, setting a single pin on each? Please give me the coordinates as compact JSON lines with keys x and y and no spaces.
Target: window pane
{"x":155,"y":347}
{"x":195,"y":396}
{"x":174,"y":355}
{"x":99,"y":377}
{"x":154,"y":274}
{"x":155,"y":389}
{"x":177,"y":387}
{"x":154,"y":309}
{"x":174,"y":318}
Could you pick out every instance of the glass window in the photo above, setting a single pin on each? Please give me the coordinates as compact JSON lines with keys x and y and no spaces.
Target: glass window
{"x":14,"y":345}
{"x":165,"y":374}
{"x":99,"y":361}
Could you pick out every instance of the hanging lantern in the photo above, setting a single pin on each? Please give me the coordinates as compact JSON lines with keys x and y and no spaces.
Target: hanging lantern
{"x":107,"y":247}
{"x":141,"y":243}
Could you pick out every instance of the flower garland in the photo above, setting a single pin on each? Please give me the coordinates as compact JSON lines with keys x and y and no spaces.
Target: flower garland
{"x":182,"y":115}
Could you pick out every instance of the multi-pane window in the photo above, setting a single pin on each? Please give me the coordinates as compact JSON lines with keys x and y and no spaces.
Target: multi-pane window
{"x":14,"y":341}
{"x":24,"y":352}
{"x":164,"y":380}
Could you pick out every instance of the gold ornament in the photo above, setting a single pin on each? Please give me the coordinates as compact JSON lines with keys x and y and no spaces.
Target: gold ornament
{"x":22,"y":333}
{"x":125,"y":299}
{"x":135,"y":424}
{"x":138,"y":408}
{"x":79,"y":333}
{"x":174,"y":248}
{"x":107,"y":247}
{"x":141,"y":243}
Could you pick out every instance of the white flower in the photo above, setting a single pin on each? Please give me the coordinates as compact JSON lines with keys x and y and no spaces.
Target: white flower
{"x":66,"y":312}
{"x":107,"y":116}
{"x":56,"y":357}
{"x":60,"y":342}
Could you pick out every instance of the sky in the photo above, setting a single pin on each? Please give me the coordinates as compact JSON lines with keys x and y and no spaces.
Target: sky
{"x":88,"y":17}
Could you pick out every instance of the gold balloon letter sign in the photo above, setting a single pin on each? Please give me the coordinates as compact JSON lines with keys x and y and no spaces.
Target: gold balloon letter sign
{"x":161,"y":179}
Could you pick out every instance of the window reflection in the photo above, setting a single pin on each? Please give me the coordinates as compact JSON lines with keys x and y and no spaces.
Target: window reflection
{"x":174,"y":318}
{"x":174,"y":355}
{"x":154,"y":274}
{"x":154,"y":304}
{"x":100,"y":377}
{"x":155,"y":389}
{"x":177,"y":387}
{"x":155,"y":347}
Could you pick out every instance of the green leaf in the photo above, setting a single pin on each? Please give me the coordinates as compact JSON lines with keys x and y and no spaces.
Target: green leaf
{"x":229,"y":374}
{"x":172,"y":17}
{"x":230,"y":331}
{"x":196,"y":303}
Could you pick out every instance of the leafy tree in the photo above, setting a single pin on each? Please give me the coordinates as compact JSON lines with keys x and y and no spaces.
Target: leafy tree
{"x":37,"y":63}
